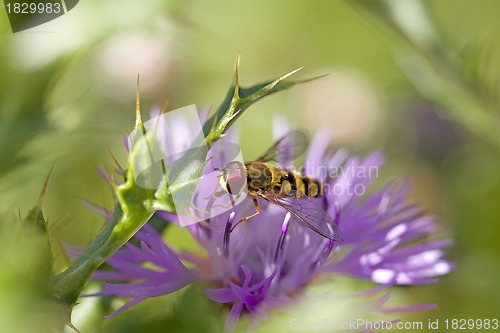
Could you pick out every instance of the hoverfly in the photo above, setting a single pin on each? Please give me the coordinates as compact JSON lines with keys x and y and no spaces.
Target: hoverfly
{"x":288,"y":189}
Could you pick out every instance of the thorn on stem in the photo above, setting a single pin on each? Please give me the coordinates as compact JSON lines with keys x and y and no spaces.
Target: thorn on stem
{"x":138,"y":118}
{"x":236,"y":77}
{"x":44,"y":187}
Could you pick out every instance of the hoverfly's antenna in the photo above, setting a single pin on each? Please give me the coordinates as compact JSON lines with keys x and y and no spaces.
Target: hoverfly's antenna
{"x":221,"y":172}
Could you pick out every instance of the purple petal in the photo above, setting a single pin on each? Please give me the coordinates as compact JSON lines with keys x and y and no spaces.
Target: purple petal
{"x":314,"y":165}
{"x":234,"y":316}
{"x":147,"y":289}
{"x":221,"y":295}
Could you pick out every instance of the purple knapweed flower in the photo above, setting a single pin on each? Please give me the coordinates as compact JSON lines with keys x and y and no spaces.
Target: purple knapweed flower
{"x":268,"y":260}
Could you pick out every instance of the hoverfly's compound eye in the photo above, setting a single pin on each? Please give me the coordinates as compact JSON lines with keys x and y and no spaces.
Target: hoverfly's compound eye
{"x":233,"y":178}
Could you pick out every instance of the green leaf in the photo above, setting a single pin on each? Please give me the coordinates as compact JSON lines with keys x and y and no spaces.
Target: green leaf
{"x":238,"y":99}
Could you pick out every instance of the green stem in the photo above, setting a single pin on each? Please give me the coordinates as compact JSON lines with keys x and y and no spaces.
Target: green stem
{"x":69,"y":284}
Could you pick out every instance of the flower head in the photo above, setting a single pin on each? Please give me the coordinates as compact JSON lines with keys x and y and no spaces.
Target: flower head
{"x":266,"y":261}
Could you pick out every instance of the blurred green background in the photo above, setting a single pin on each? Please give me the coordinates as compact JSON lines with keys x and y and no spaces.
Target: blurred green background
{"x":416,"y":80}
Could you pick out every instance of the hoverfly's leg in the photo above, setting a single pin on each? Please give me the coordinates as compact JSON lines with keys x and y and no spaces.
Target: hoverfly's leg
{"x":232,"y":200}
{"x":208,"y":206}
{"x":215,"y":193}
{"x":219,"y":194}
{"x":257,"y":212}
{"x":231,"y":204}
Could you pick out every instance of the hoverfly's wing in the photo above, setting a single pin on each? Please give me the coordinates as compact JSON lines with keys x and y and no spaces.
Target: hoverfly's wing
{"x":287,"y":148}
{"x":309,"y":213}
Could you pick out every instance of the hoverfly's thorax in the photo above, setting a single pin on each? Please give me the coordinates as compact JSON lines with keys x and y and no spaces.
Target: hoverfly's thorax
{"x":259,"y":176}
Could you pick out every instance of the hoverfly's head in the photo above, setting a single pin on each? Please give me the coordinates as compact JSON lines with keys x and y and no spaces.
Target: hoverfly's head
{"x":233,"y":178}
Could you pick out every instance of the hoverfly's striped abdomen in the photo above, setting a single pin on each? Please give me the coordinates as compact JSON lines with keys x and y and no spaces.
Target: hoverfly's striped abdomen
{"x":281,"y":182}
{"x":301,"y":186}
